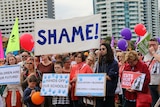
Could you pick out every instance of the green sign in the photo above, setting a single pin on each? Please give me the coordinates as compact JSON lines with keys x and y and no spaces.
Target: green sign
{"x":143,"y":44}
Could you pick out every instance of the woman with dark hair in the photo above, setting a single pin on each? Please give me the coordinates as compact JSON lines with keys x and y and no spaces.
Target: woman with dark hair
{"x":80,"y":67}
{"x":107,"y":64}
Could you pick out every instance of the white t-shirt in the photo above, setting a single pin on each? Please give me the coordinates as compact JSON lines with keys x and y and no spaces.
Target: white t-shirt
{"x":154,"y":68}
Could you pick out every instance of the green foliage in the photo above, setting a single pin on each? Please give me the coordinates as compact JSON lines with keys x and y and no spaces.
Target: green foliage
{"x":108,"y":39}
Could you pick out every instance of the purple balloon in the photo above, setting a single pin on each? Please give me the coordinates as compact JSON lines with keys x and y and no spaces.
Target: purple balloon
{"x":126,"y":33}
{"x":158,"y":39}
{"x":138,"y":39}
{"x":122,"y":44}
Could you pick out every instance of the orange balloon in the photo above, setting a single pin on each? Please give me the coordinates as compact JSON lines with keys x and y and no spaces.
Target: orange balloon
{"x":37,"y":99}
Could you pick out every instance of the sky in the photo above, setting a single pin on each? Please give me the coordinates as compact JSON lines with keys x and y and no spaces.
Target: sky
{"x":65,"y":9}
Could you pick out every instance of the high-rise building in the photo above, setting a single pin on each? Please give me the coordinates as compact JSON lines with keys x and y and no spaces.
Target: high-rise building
{"x":27,"y":11}
{"x":119,"y":14}
{"x":151,"y":17}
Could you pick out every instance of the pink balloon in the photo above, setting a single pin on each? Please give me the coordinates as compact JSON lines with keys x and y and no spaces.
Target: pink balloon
{"x":26,"y":41}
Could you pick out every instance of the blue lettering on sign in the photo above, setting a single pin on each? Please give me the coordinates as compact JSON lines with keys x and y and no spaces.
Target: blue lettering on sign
{"x":64,"y":34}
{"x":52,"y":35}
{"x":79,"y":31}
{"x":88,"y":30}
{"x":43,"y":37}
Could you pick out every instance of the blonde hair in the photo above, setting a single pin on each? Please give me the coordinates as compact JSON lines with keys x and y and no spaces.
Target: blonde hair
{"x":122,"y":54}
{"x":131,"y":55}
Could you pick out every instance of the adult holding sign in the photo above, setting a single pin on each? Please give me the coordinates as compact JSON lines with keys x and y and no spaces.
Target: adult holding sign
{"x":108,"y":65}
{"x":80,"y":67}
{"x":153,"y":61}
{"x":135,"y":98}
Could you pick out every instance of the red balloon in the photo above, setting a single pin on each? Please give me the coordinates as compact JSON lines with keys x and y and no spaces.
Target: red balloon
{"x":140,"y":29}
{"x":26,"y":41}
{"x":37,"y":99}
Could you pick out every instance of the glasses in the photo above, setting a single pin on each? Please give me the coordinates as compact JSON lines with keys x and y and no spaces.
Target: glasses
{"x":24,"y":56}
{"x":102,"y":49}
{"x":90,"y":60}
{"x":153,"y":39}
{"x":78,"y":56}
{"x":29,"y":63}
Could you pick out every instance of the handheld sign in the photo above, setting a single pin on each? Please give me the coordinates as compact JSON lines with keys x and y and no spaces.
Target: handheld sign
{"x":133,"y":80}
{"x":10,"y":74}
{"x":55,"y":84}
{"x":68,"y":35}
{"x":143,"y":44}
{"x":91,"y":85}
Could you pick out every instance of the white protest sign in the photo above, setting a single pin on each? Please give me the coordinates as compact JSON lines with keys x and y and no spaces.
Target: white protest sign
{"x":10,"y":74}
{"x":55,"y":84}
{"x":68,"y":35}
{"x":91,"y":85}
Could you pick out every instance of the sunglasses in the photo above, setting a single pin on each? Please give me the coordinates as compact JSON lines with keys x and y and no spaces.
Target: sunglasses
{"x":102,"y":49}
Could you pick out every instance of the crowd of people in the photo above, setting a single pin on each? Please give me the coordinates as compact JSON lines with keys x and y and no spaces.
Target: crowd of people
{"x":106,"y":60}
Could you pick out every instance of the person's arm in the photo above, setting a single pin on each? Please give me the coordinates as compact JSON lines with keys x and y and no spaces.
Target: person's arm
{"x":147,"y":77}
{"x":26,"y":96}
{"x":159,"y":88}
{"x":113,"y":71}
{"x":154,"y":54}
{"x":72,"y":73}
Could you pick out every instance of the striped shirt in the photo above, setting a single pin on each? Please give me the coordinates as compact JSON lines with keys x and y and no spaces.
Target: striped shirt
{"x":60,"y":100}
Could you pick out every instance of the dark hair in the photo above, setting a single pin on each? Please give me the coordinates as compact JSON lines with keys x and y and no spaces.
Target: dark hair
{"x":109,"y":57}
{"x":65,"y":59}
{"x":59,"y":63}
{"x":32,"y":78}
{"x":58,"y":56}
{"x":153,"y":39}
{"x":14,"y":58}
{"x":82,"y":55}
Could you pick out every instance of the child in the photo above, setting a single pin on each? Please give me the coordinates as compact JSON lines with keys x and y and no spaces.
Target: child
{"x":28,"y":92}
{"x":60,"y":101}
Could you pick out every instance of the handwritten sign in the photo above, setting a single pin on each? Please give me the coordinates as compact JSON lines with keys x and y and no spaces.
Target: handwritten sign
{"x":91,"y":85}
{"x":68,"y":35}
{"x":10,"y":74}
{"x":55,"y":85}
{"x":133,"y":80}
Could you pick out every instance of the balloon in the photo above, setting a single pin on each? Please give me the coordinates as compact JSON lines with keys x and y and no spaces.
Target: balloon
{"x":122,"y":44}
{"x":112,"y":41}
{"x":26,"y":41}
{"x":138,"y":39}
{"x":158,"y":39}
{"x":126,"y":33}
{"x":140,"y":29}
{"x":37,"y":99}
